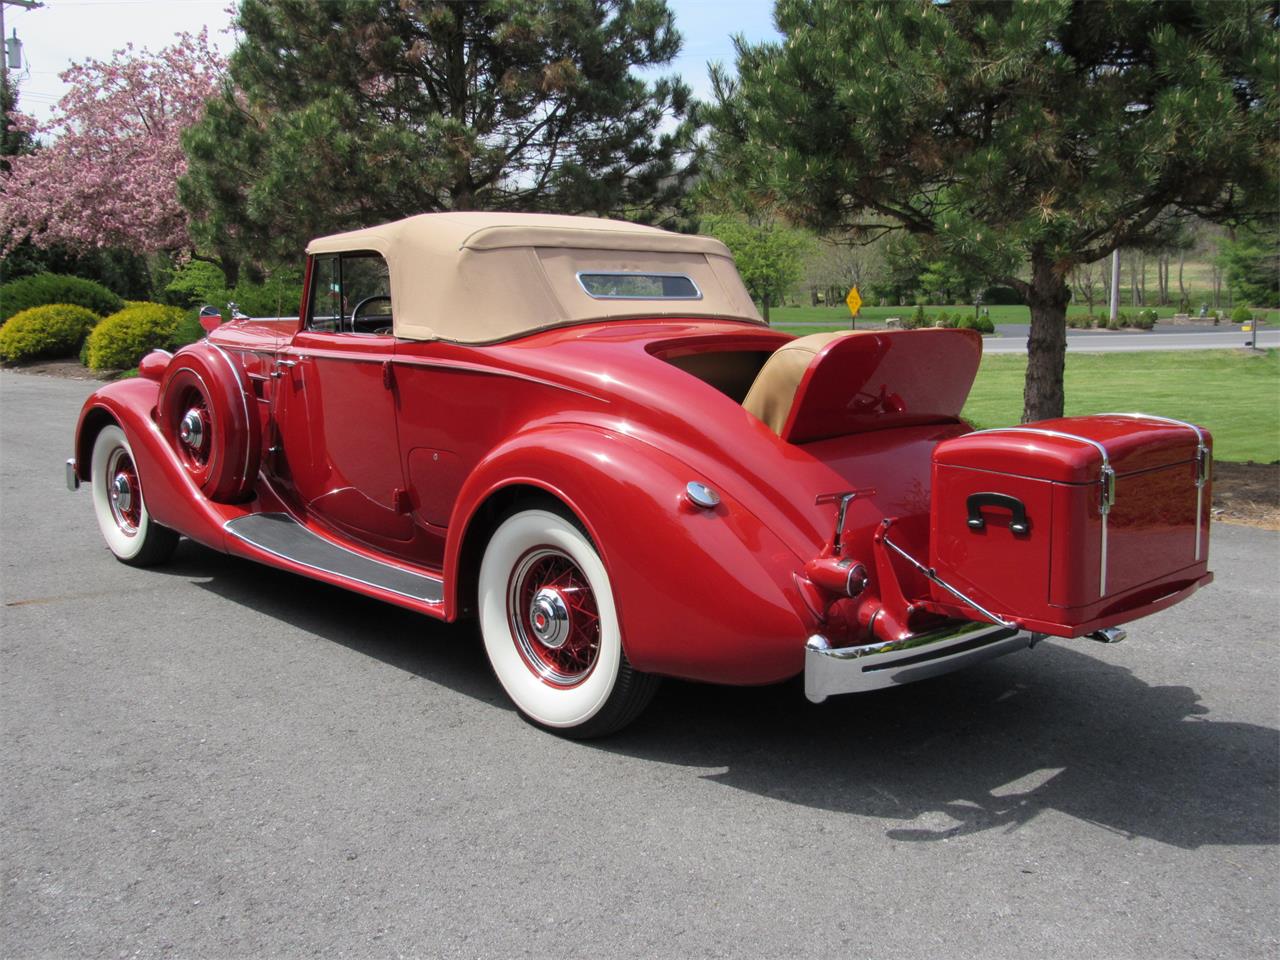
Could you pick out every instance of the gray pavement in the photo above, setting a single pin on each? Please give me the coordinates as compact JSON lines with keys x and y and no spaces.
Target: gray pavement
{"x":1013,"y":339}
{"x":213,"y":759}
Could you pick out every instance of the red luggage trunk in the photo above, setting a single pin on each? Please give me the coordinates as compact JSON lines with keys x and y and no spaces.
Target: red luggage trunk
{"x":1068,"y":526}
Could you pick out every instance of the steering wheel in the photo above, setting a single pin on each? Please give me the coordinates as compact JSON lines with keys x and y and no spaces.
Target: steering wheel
{"x":355,"y":313}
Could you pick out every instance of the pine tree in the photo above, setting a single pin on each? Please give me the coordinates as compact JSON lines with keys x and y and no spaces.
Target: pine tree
{"x":345,"y":113}
{"x":15,"y":131}
{"x":1025,"y":138}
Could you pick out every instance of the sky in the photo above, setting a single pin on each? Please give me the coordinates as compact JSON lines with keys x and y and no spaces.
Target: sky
{"x":63,"y":31}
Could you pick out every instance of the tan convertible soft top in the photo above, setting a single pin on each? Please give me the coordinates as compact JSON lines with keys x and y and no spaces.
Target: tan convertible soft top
{"x":483,"y":277}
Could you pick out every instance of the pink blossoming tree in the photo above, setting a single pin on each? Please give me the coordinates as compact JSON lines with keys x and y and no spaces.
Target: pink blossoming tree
{"x":108,"y":174}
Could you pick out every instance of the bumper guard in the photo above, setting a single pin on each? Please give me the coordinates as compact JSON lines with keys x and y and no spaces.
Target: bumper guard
{"x":830,"y":670}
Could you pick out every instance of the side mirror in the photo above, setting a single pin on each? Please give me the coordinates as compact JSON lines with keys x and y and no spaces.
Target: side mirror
{"x":210,"y":318}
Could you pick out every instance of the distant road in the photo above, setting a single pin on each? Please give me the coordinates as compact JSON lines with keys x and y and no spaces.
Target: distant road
{"x":1013,"y":339}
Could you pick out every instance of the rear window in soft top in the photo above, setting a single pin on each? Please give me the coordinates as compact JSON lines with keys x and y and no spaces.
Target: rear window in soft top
{"x":622,"y":285}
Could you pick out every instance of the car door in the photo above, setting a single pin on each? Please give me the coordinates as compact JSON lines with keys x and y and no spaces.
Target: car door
{"x":336,"y":449}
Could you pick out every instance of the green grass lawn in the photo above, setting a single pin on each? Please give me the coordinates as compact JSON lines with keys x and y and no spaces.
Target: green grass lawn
{"x":1234,"y":393}
{"x":834,"y":318}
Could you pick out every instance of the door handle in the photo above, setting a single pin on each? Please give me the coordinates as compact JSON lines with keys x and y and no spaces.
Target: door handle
{"x":1018,"y":524}
{"x":281,"y":366}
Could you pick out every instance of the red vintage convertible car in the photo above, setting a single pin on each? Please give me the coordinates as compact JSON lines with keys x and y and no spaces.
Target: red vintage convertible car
{"x":580,"y":432}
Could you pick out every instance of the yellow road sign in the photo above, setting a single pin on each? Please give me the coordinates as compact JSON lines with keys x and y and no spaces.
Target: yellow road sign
{"x":854,"y":300}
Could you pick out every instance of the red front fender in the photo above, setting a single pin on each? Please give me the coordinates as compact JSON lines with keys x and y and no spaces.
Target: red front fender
{"x":172,"y":499}
{"x":701,"y":594}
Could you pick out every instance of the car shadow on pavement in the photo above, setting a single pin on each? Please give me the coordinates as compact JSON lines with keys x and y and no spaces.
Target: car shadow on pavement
{"x":991,"y":747}
{"x":1055,"y":729}
{"x":450,"y":655}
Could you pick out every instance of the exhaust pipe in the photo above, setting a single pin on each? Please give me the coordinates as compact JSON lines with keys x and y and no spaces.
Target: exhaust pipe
{"x":1108,"y":635}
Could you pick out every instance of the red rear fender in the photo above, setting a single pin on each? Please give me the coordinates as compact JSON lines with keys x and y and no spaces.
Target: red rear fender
{"x":702,"y":594}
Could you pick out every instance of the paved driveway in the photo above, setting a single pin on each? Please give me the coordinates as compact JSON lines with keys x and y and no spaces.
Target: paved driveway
{"x":216,"y":760}
{"x":1013,"y":339}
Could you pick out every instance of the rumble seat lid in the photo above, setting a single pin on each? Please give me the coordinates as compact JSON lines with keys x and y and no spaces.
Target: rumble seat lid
{"x":834,"y":384}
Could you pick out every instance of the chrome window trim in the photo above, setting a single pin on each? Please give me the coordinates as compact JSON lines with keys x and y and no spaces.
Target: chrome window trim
{"x":697,"y":291}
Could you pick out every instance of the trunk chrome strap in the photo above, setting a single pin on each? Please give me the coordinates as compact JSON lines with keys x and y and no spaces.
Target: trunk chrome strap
{"x":1203,"y":458}
{"x":1106,"y":481}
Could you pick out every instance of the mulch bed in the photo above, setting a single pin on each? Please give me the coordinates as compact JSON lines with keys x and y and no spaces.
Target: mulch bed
{"x":1246,"y":493}
{"x":65,"y":369}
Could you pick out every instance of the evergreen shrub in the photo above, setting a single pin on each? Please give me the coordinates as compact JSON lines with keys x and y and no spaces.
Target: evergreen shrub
{"x":125,"y":337}
{"x":47,"y":288}
{"x":52,"y":330}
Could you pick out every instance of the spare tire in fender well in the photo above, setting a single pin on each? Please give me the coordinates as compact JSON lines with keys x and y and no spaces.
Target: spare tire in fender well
{"x":206,"y":412}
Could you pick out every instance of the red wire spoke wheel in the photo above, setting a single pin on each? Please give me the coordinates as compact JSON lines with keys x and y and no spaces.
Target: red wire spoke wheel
{"x":209,"y":416}
{"x":553,"y":617}
{"x":118,"y":504}
{"x":551,"y":629}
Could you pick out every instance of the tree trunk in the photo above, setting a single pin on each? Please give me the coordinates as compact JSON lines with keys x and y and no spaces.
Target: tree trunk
{"x":228,"y":264}
{"x":1184,"y":304}
{"x":1047,"y":296}
{"x":764,"y":308}
{"x":231,"y":270}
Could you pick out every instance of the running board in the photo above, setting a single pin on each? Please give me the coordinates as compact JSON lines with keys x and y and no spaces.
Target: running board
{"x":282,"y":536}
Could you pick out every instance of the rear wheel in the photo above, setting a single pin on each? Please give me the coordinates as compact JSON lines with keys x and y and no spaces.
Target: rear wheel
{"x":551,"y":630}
{"x":121,"y":512}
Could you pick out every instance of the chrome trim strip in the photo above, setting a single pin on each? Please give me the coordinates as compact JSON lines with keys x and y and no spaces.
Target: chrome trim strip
{"x":932,"y":575}
{"x":874,"y":666}
{"x":1107,"y":480}
{"x":697,"y":292}
{"x":228,"y":528}
{"x":1203,"y":456}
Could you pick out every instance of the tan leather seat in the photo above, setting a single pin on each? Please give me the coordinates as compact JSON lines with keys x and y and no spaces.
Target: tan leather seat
{"x":774,"y":389}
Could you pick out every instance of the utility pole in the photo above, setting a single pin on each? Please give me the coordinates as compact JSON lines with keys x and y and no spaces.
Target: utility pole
{"x":12,"y":47}
{"x":10,"y":50}
{"x":1115,"y":285}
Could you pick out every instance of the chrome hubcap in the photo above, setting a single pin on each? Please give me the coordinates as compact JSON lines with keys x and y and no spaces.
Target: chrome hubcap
{"x":124,"y":496}
{"x":549,"y":618}
{"x":554,"y":619}
{"x":191,"y":429}
{"x":122,"y":492}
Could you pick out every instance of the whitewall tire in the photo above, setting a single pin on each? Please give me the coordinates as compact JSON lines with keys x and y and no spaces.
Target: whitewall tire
{"x":122,"y":514}
{"x":551,"y":629}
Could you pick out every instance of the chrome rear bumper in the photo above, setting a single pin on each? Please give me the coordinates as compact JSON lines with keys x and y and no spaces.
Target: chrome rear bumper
{"x":872,"y":666}
{"x":73,"y":478}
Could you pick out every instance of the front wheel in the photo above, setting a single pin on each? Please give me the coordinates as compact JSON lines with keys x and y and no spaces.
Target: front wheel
{"x":551,"y":630}
{"x":122,"y":514}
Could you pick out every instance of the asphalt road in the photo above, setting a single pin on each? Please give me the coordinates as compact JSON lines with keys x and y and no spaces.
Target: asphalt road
{"x":216,"y":760}
{"x":1013,"y":339}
